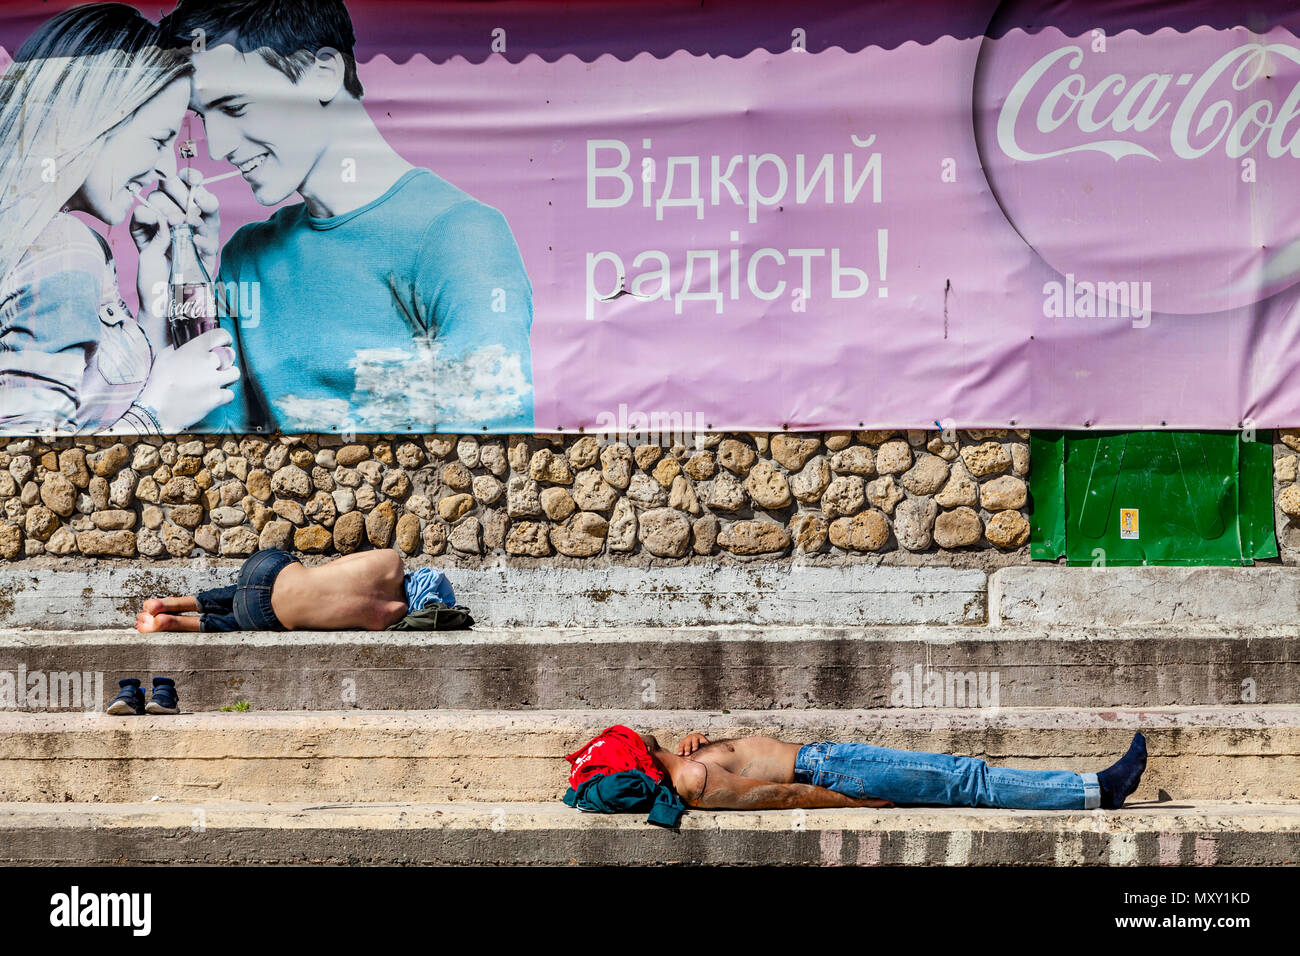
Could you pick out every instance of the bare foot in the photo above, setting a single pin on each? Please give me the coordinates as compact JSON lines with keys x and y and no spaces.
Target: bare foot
{"x":147,"y":623}
{"x":171,"y":605}
{"x":160,"y":614}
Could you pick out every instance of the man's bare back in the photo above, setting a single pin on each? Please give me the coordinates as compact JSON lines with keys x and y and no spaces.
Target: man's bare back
{"x":362,"y":590}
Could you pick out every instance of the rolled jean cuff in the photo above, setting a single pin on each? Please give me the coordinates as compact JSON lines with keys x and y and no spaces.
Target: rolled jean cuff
{"x":1091,"y":791}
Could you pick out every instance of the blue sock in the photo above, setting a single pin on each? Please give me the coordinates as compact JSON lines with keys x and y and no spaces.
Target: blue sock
{"x":1121,"y":778}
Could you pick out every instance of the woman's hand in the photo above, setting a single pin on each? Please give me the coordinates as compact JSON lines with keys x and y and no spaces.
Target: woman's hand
{"x":187,"y":383}
{"x":151,"y":223}
{"x":204,"y":213}
{"x":691,"y":743}
{"x":152,"y":236}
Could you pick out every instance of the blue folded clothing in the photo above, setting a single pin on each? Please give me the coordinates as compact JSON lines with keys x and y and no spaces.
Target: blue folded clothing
{"x":426,"y":584}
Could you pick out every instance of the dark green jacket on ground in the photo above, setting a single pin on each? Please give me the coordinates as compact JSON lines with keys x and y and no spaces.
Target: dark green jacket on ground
{"x":629,"y":792}
{"x":436,"y":616}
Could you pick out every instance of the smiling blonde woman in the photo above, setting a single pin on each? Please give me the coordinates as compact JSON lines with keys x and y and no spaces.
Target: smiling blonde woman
{"x":90,"y":110}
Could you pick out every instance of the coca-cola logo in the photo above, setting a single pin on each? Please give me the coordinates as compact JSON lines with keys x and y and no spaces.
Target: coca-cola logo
{"x":1167,"y":157}
{"x":1129,"y":108}
{"x":193,"y":302}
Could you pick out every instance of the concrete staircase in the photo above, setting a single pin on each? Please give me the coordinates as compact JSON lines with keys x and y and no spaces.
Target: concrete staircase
{"x":1184,"y":833}
{"x":447,"y":748}
{"x":1196,"y":753}
{"x":736,"y":667}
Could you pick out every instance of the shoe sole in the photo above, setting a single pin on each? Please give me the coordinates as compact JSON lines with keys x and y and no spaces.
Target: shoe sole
{"x":154,"y":707}
{"x":120,"y":708}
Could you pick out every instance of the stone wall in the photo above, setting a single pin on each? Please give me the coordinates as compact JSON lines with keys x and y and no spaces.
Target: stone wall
{"x":584,"y":498}
{"x":1286,"y":494}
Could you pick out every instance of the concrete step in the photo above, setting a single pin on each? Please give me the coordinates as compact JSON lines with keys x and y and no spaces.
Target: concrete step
{"x":1261,"y":596}
{"x":1181,"y":834}
{"x":765,"y":594}
{"x":791,"y":594}
{"x":738,"y":668}
{"x":1207,"y":753}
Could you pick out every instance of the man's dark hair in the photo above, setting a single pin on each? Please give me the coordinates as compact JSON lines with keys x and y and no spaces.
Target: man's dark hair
{"x":285,"y":33}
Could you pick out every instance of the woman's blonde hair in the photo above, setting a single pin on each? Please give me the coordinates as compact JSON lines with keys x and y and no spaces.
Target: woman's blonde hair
{"x":74,"y":81}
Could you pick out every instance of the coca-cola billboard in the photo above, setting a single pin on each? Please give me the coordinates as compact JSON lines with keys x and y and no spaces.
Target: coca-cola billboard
{"x":663,"y":217}
{"x":1181,"y":146}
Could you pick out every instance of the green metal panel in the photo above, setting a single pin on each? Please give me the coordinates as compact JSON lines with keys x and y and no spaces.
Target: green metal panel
{"x":1255,"y":497}
{"x":1157,"y":497}
{"x":1047,"y":495}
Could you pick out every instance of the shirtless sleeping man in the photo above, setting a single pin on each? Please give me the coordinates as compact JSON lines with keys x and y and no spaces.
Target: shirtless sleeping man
{"x":369,"y":590}
{"x":761,"y":773}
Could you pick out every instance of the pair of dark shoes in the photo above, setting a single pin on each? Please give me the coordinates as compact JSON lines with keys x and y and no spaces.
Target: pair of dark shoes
{"x":130,"y":699}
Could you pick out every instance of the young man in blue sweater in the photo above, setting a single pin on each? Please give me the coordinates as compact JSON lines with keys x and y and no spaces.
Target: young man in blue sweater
{"x":388,"y":300}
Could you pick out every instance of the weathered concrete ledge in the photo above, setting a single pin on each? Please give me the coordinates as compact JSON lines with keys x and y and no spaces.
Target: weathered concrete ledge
{"x":734,"y":667}
{"x":1207,"y":753}
{"x":758,"y":595}
{"x":1133,"y":597}
{"x":561,"y":597}
{"x":1182,"y":834}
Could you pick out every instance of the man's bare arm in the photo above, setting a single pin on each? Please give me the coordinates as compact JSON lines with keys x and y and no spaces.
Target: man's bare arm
{"x":712,"y":788}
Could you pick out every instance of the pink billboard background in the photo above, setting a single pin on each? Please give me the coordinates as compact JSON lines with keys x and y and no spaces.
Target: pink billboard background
{"x":1022,"y":162}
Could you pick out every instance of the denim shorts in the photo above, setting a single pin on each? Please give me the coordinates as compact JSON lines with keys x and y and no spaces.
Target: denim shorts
{"x":252,"y":602}
{"x":246,"y":604}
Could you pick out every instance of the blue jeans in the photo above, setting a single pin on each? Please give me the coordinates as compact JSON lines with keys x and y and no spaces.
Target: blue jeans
{"x":904,"y":776}
{"x":246,"y":604}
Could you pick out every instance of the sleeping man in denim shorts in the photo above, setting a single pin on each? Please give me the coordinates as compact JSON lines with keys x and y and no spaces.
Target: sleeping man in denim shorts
{"x":369,"y":590}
